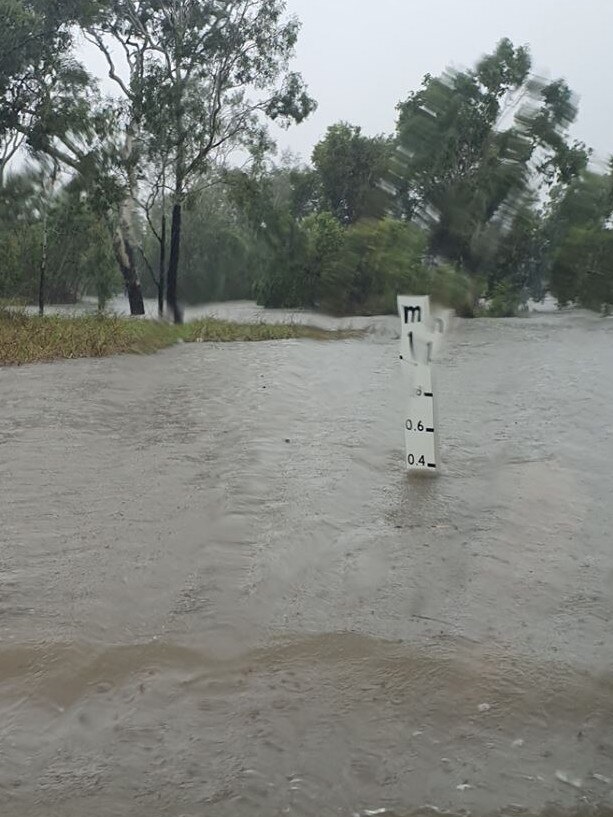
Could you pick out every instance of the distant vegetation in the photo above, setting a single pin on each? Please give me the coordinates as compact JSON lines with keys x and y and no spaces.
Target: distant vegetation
{"x":478,"y":194}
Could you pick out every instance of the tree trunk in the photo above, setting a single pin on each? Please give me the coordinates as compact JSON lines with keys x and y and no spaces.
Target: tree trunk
{"x":126,"y":239}
{"x":162,"y":273}
{"x":125,"y":258}
{"x":173,"y":264}
{"x":135,"y":298}
{"x":43,"y":269}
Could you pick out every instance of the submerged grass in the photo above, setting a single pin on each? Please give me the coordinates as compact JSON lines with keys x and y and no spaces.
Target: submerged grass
{"x":214,"y":330}
{"x":29,"y":339}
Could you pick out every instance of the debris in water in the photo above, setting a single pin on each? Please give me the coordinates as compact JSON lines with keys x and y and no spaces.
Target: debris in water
{"x":375,"y":812}
{"x":484,"y":708}
{"x":517,"y":744}
{"x":570,"y":781}
{"x":417,"y":734}
{"x":464,"y":787}
{"x":602,"y":779}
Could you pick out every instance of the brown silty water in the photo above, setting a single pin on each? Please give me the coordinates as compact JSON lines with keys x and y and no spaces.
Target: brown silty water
{"x":221,"y":594}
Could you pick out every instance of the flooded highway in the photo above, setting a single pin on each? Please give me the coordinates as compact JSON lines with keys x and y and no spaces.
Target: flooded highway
{"x":221,"y":594}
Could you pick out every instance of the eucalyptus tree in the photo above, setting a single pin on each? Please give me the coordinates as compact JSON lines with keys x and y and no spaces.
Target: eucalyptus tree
{"x":202,"y":77}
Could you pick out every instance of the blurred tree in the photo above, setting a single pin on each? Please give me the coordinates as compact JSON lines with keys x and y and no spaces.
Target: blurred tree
{"x":473,"y":144}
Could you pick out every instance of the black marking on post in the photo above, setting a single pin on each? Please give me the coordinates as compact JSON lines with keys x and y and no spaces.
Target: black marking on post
{"x":430,"y":430}
{"x":431,"y":465}
{"x":413,"y":312}
{"x":412,"y":345}
{"x":428,"y":394}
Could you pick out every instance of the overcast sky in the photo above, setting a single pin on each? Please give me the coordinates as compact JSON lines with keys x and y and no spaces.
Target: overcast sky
{"x":360,"y":58}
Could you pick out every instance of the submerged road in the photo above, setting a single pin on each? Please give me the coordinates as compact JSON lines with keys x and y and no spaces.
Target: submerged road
{"x":220,"y":593}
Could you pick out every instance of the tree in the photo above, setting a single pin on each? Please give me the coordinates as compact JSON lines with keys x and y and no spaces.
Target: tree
{"x":19,"y":235}
{"x":33,"y":36}
{"x":47,"y":180}
{"x":350,"y":167}
{"x":583,"y":269}
{"x":217,"y":248}
{"x":472,"y":144}
{"x":119,"y":28}
{"x":576,"y":214}
{"x":202,"y":74}
{"x":378,"y":260}
{"x":444,"y":130}
{"x":54,"y":248}
{"x":156,"y":232}
{"x":511,"y":253}
{"x":585,"y":202}
{"x":286,"y":243}
{"x":301,"y":258}
{"x":51,"y":102}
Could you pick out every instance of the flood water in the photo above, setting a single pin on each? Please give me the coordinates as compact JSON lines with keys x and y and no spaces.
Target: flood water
{"x":220,"y":593}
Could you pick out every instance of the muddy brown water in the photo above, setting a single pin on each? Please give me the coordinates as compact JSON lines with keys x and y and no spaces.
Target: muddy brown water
{"x":221,"y":595}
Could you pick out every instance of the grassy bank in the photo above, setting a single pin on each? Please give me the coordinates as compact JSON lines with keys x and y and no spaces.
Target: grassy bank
{"x":28,"y":339}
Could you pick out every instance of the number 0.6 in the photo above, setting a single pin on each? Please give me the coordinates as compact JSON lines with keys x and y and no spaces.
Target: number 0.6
{"x":412,"y":427}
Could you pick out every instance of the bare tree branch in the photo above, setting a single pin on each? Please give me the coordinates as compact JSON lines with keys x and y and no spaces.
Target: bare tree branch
{"x":96,"y":39}
{"x":149,"y":267}
{"x":9,"y":149}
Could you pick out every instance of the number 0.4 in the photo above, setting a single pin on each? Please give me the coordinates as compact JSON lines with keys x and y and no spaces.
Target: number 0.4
{"x":420,"y":461}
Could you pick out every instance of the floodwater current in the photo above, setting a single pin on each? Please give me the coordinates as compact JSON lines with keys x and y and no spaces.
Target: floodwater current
{"x":221,"y":594}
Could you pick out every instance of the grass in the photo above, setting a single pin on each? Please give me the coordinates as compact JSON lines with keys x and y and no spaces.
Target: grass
{"x":211,"y":330}
{"x":15,"y":302}
{"x":29,"y":339}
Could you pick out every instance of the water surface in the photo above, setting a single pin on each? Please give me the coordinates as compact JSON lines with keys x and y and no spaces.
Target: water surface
{"x":220,"y":594}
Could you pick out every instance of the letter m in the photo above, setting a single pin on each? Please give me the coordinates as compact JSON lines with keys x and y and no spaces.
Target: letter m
{"x":412,"y":314}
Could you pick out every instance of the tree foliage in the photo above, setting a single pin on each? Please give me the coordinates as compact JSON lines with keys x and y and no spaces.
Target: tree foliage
{"x":583,"y":269}
{"x":350,"y":167}
{"x":473,"y":144}
{"x":79,"y":252}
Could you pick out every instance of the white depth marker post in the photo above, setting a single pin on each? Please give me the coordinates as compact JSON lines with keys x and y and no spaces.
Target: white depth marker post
{"x":417,"y":344}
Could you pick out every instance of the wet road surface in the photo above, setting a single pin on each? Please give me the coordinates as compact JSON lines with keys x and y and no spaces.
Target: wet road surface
{"x":220,"y":593}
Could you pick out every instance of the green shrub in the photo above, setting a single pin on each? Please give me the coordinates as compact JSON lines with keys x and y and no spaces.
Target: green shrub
{"x":378,"y":260}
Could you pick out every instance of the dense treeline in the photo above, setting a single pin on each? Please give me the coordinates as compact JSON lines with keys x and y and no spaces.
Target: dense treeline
{"x":479,"y":192}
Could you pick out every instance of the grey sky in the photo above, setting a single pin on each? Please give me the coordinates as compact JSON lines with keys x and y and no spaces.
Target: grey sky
{"x":360,"y":58}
